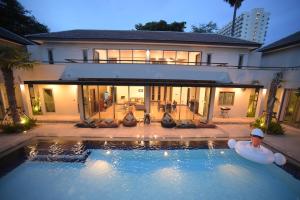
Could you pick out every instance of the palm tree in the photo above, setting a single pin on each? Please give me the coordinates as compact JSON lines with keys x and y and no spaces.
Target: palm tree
{"x":13,"y":58}
{"x":236,"y":4}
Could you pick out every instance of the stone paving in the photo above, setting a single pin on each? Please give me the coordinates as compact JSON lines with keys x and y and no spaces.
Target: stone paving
{"x":288,"y":144}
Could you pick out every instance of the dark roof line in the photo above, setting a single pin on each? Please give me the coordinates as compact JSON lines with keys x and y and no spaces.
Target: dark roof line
{"x":12,"y":37}
{"x":284,"y":42}
{"x":142,"y":36}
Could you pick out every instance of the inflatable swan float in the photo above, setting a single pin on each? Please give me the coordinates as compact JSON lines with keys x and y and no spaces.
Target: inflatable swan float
{"x":259,"y":154}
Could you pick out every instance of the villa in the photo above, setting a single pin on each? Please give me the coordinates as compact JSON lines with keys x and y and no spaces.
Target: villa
{"x":101,"y":74}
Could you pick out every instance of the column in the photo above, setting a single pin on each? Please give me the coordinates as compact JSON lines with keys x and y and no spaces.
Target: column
{"x":211,"y":104}
{"x":260,"y":102}
{"x":80,"y":101}
{"x":147,"y":98}
{"x":24,"y":90}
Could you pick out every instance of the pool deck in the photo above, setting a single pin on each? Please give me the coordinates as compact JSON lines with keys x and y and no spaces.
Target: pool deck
{"x":289,"y":144}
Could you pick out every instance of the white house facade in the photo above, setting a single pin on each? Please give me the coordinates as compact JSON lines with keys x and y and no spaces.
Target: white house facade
{"x":102,"y":74}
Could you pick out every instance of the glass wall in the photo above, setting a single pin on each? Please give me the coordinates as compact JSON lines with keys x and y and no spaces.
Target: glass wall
{"x":292,"y":112}
{"x":147,"y":56}
{"x":113,"y":102}
{"x":183,"y":103}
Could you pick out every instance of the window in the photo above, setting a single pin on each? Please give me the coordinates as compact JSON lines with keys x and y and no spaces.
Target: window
{"x":194,"y":58}
{"x":226,"y":98}
{"x":126,"y":56}
{"x":113,"y":56}
{"x":139,"y":56}
{"x":49,"y":100}
{"x":170,"y":57}
{"x":100,"y":56}
{"x":156,"y":56}
{"x":208,"y":59}
{"x":50,"y":56}
{"x":182,"y":57}
{"x":85,"y":55}
{"x":241,"y":60}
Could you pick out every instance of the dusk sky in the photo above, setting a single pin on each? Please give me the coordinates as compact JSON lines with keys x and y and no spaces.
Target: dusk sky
{"x":61,"y":15}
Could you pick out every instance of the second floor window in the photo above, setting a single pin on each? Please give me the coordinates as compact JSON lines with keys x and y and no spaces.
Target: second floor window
{"x":208,"y":59}
{"x":85,"y":55}
{"x":241,"y":60}
{"x":50,"y":56}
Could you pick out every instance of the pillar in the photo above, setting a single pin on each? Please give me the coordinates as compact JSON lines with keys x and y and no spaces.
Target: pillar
{"x":211,"y":104}
{"x":25,"y":90}
{"x":261,"y":102}
{"x":147,"y":98}
{"x":80,"y":101}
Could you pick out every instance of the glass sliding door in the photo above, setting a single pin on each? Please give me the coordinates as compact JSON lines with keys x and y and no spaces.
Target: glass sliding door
{"x":292,"y":112}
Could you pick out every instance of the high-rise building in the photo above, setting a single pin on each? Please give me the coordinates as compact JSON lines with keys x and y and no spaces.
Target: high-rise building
{"x":251,"y":26}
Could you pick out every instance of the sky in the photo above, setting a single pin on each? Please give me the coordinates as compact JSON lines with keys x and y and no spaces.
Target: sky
{"x":61,"y":15}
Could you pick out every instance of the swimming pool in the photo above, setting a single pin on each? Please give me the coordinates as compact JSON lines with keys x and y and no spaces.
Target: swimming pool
{"x":150,"y":173}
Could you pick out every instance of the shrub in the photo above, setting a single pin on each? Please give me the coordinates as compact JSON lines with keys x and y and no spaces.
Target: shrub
{"x":275,"y":127}
{"x":25,"y":124}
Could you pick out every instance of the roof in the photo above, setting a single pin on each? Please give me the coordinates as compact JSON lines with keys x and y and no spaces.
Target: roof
{"x":12,"y":37}
{"x":284,"y":42}
{"x":143,"y":36}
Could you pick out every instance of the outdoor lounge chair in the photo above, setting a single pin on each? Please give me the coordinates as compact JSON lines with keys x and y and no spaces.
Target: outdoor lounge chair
{"x":88,"y":123}
{"x":200,"y":124}
{"x":167,"y":121}
{"x":129,"y":120}
{"x":107,"y":123}
{"x":185,"y":124}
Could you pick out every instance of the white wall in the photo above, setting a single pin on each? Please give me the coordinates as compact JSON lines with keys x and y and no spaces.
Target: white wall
{"x":289,"y":57}
{"x":62,"y":51}
{"x":241,"y":101}
{"x":65,"y":99}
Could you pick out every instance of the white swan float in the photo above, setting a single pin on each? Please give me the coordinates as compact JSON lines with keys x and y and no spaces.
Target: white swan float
{"x":259,"y":154}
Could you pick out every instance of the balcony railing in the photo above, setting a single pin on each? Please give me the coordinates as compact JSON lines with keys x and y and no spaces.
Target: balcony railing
{"x":140,"y":61}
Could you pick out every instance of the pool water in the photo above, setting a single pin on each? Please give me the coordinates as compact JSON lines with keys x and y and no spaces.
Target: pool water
{"x":150,"y":174}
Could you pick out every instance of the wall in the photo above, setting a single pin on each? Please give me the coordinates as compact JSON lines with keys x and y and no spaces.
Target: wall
{"x":240,"y":106}
{"x":288,"y":57}
{"x":65,"y":99}
{"x":63,"y":51}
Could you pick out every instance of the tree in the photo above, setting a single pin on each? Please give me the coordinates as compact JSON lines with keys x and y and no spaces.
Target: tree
{"x":14,"y":17}
{"x":272,"y":98}
{"x":161,"y":26}
{"x":210,"y":27}
{"x":13,"y":58}
{"x":236,"y":4}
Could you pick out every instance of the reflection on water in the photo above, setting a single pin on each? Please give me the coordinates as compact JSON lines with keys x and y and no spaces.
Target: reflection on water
{"x":168,"y":175}
{"x":97,"y":168}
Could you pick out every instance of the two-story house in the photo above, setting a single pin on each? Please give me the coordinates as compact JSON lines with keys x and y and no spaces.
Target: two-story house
{"x":103,"y":74}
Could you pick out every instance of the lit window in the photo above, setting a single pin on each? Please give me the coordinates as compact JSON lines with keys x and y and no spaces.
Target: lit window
{"x":100,"y":56}
{"x":49,"y":100}
{"x":139,"y":56}
{"x":157,"y":57}
{"x":126,"y":56}
{"x":170,"y":57}
{"x":182,"y":57}
{"x":113,"y":56}
{"x":226,"y":98}
{"x":194,"y":58}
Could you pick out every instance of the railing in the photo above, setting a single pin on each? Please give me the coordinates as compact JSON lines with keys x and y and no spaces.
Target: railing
{"x":164,"y":62}
{"x":141,"y":61}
